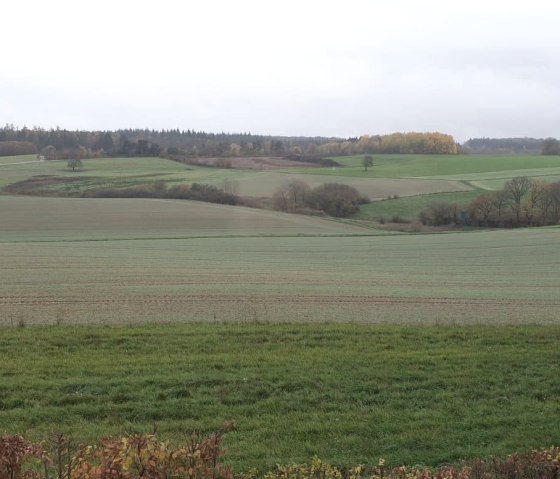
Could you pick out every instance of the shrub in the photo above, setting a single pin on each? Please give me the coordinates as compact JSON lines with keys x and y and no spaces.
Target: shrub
{"x":132,"y":457}
{"x":145,"y":456}
{"x":439,"y":214}
{"x":15,"y":454}
{"x":12,"y":148}
{"x":336,"y":199}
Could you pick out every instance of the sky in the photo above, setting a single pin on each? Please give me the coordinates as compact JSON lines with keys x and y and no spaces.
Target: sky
{"x":299,"y":68}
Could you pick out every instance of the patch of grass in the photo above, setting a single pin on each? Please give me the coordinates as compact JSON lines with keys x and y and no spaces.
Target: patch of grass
{"x":6,"y":160}
{"x":349,"y":393}
{"x":410,"y":207}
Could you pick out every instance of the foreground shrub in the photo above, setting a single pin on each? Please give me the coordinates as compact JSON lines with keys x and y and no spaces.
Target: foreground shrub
{"x":144,"y":456}
{"x":16,"y":454}
{"x":543,"y":464}
{"x":318,"y":469}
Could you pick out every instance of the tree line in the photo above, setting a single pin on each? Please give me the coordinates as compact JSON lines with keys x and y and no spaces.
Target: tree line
{"x":64,"y":144}
{"x":511,"y":146}
{"x":521,"y":202}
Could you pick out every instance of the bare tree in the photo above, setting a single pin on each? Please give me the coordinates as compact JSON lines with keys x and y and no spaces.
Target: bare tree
{"x":481,"y":208}
{"x":516,"y":189}
{"x":292,"y":196}
{"x":499,"y":202}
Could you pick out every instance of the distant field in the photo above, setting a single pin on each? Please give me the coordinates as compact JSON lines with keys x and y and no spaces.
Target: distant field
{"x":266,"y":183}
{"x":407,"y":166}
{"x":123,"y":172}
{"x":409,"y":208}
{"x":7,"y":160}
{"x":402,"y":175}
{"x":219,"y":264}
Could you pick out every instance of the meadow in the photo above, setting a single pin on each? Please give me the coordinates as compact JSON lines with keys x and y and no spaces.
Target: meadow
{"x":349,"y":393}
{"x":316,"y":335}
{"x":392,"y":179}
{"x":408,"y":208}
{"x":126,"y":172}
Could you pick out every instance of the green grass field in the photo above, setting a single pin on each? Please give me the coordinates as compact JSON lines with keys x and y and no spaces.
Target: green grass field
{"x":409,"y":208}
{"x":401,"y":175}
{"x":124,"y":172}
{"x":348,"y":393}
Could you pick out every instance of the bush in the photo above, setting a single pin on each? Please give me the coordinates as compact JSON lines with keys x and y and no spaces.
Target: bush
{"x":144,"y":456}
{"x":15,"y":455}
{"x":336,"y":199}
{"x":439,"y":214}
{"x":136,"y":456}
{"x":13,"y":148}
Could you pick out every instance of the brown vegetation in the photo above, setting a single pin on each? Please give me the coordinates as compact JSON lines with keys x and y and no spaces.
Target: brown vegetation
{"x":334,"y":199}
{"x":13,"y":148}
{"x":522,"y":202}
{"x":144,"y":456}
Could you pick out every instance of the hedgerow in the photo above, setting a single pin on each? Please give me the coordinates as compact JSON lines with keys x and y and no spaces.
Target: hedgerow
{"x":146,"y":457}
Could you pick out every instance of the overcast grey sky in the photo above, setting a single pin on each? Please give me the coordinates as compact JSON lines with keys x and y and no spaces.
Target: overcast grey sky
{"x":341,"y":68}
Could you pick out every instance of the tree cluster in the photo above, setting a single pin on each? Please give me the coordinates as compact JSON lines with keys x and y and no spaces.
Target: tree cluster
{"x":551,"y":146}
{"x":13,"y":148}
{"x":402,"y":143}
{"x":144,"y":142}
{"x":522,"y":202}
{"x":334,"y":199}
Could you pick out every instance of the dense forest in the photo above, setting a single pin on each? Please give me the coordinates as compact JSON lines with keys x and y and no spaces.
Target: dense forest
{"x":506,"y":146}
{"x":63,"y":144}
